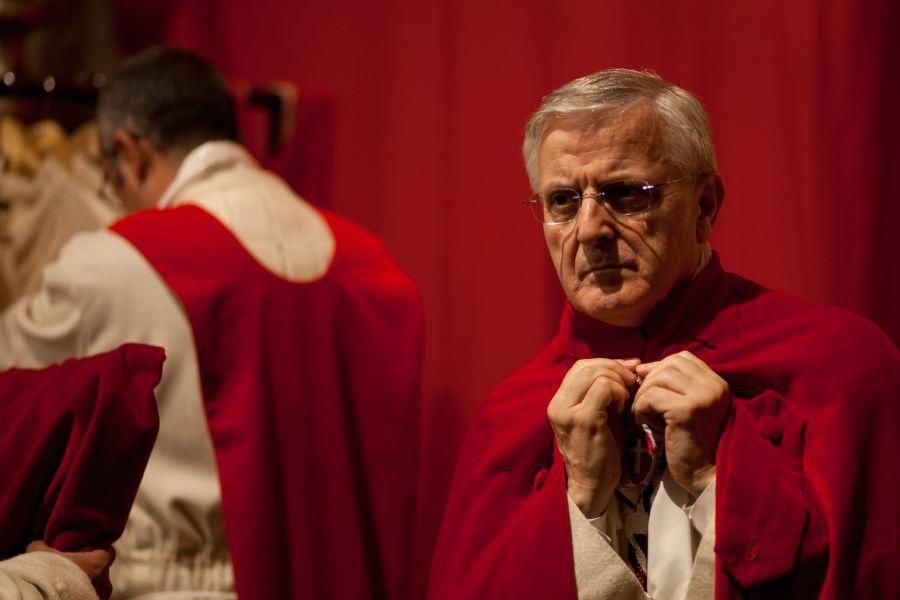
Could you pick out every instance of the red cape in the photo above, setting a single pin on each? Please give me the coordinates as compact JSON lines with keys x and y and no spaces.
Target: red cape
{"x":75,"y":440}
{"x":312,"y":399}
{"x":806,"y":468}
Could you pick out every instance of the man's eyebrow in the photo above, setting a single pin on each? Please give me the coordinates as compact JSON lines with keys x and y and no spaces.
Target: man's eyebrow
{"x":558,"y":183}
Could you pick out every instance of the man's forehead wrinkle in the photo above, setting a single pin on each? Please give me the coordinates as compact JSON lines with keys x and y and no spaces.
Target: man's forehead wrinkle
{"x":579,"y":147}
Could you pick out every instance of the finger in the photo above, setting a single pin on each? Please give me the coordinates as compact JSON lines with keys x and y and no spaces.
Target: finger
{"x":657,"y":399}
{"x":647,"y":369}
{"x":92,"y":562}
{"x":644,"y":369}
{"x":38,"y":546}
{"x":645,"y":412}
{"x":687,"y":375}
{"x":95,"y":560}
{"x":692,"y":358}
{"x":606,"y":394}
{"x":571,"y":391}
{"x":631,"y":364}
{"x":670,"y":377}
{"x":624,"y":367}
{"x":655,"y":406}
{"x":571,"y":394}
{"x":678,"y":362}
{"x":583,"y":374}
{"x":691,"y":365}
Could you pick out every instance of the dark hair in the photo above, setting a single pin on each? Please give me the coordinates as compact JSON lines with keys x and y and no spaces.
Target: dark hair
{"x":171,"y":97}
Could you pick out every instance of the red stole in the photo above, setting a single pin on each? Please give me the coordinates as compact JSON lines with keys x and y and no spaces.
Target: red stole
{"x":806,"y":480}
{"x":312,"y":399}
{"x":75,"y":440}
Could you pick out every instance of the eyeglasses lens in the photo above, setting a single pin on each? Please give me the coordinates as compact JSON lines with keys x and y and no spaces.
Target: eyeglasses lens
{"x":627,"y":197}
{"x":622,"y":197}
{"x":558,"y":206}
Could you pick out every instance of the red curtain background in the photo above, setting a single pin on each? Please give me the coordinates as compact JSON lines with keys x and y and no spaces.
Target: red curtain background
{"x":431,"y":98}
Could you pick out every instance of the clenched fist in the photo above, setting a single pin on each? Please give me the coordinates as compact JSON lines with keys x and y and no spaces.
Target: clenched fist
{"x":92,"y":562}
{"x":584,"y":416}
{"x":683,"y":397}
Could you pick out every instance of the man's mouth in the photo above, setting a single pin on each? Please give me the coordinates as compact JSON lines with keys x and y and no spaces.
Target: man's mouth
{"x":606,"y":268}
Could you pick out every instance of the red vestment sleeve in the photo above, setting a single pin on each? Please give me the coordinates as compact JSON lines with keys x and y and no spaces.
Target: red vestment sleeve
{"x":758,"y":535}
{"x":807,"y":479}
{"x":506,"y":528}
{"x":75,"y":440}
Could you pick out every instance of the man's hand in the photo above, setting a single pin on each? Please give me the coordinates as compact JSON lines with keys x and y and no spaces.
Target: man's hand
{"x":92,"y":562}
{"x":684,"y":397}
{"x":588,"y":435}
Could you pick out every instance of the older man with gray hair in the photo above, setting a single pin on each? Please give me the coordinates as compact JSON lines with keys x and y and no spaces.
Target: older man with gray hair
{"x":687,"y":433}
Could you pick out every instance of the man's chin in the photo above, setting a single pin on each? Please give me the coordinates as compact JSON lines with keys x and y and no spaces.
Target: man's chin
{"x":609,"y":308}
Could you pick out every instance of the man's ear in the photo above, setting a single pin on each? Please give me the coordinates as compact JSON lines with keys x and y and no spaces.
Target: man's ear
{"x":132,"y":157}
{"x":710,"y":199}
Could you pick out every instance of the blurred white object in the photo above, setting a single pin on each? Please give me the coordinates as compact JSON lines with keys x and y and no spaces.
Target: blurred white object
{"x":45,"y":211}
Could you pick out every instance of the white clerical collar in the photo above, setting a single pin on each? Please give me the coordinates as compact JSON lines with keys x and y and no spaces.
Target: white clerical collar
{"x":200,"y":162}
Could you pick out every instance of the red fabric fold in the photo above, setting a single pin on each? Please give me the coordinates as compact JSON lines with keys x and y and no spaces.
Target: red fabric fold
{"x":75,"y":440}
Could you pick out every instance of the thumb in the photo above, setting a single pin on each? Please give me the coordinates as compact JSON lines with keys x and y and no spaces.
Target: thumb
{"x":91,"y":562}
{"x":644,"y":369}
{"x":38,"y":546}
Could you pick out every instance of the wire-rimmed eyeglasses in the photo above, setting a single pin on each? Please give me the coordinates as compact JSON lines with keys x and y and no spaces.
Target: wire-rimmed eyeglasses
{"x":112,"y":177}
{"x":106,"y":191}
{"x":558,"y":206}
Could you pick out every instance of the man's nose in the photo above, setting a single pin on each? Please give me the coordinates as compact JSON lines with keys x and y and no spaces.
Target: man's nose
{"x":594,"y":221}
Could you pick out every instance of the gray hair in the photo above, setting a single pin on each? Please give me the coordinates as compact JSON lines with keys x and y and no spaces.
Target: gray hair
{"x":171,"y":97}
{"x":615,"y":91}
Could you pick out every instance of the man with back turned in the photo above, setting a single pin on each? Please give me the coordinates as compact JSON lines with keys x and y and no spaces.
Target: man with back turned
{"x":284,"y":466}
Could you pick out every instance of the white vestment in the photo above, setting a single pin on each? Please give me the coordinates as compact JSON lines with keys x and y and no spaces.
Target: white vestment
{"x":43,"y":576}
{"x":680,"y":559}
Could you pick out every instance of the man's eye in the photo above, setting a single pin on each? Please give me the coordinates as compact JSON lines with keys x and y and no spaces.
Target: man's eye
{"x":559,"y":198}
{"x":623,"y":191}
